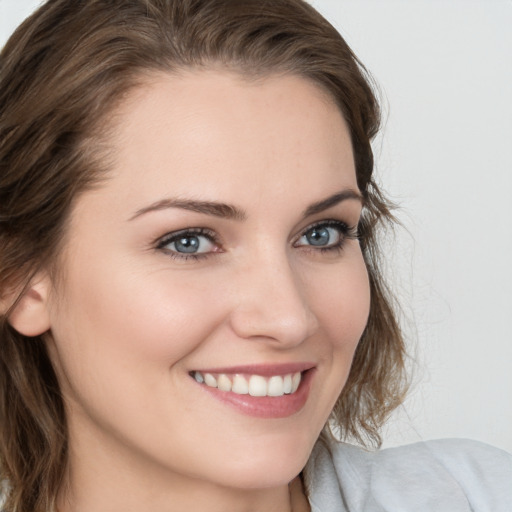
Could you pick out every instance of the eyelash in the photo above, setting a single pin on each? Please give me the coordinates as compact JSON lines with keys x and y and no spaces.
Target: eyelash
{"x":346,"y":233}
{"x":186,"y":233}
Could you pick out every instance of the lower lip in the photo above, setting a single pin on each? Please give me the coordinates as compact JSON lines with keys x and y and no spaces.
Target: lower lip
{"x":266,"y":406}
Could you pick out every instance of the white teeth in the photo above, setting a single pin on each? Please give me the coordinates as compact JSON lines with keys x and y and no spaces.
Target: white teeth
{"x":287,"y":384}
{"x":223,"y":382}
{"x":295,"y":381}
{"x":240,"y":385}
{"x":255,"y":385}
{"x":275,"y":386}
{"x":210,"y":380}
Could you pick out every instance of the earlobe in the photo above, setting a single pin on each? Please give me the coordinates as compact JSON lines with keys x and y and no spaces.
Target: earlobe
{"x":30,"y":316}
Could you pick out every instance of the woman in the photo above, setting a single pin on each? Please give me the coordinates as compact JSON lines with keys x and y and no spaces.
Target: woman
{"x":190,"y":292}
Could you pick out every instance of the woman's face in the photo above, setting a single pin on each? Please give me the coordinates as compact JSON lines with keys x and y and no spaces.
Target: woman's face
{"x":219,"y":254}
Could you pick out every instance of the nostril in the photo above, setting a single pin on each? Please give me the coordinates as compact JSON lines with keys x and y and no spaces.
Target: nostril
{"x":277,"y":326}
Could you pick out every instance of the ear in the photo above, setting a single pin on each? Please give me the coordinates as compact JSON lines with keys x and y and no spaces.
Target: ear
{"x":30,"y":316}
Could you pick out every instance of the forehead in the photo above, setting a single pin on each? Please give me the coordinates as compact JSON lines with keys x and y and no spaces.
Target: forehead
{"x":205,"y":132}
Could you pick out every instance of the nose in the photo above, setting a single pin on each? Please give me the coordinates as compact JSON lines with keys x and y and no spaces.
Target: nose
{"x":271,"y":303}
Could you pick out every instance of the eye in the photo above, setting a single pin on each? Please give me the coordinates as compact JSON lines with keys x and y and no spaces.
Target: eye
{"x":326,"y":235}
{"x":320,"y":236}
{"x":189,"y":243}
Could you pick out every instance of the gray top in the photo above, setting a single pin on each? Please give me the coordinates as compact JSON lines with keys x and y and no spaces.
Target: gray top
{"x":449,"y":475}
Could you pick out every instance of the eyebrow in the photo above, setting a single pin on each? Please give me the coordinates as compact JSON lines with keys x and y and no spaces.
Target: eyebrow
{"x":222,"y":210}
{"x":331,"y":201}
{"x":231,"y":212}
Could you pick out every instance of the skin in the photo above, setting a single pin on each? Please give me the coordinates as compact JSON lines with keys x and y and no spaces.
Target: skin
{"x":128,"y":322}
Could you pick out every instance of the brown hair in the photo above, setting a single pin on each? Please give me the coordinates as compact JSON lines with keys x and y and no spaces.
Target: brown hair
{"x":61,"y":73}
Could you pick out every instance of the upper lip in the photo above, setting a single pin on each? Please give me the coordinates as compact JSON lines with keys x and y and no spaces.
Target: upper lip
{"x":265,"y":370}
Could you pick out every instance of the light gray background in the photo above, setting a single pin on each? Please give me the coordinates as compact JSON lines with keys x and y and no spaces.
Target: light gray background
{"x":445,"y":72}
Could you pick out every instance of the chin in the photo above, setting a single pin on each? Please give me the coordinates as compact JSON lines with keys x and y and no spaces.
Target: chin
{"x":274,"y":473}
{"x":267,"y":463}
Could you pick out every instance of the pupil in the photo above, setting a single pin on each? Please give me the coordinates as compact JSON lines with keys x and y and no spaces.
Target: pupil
{"x":187,"y":244}
{"x":318,"y":236}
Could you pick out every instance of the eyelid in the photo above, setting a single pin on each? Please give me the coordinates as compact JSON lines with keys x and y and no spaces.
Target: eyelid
{"x":174,"y":235}
{"x":161,"y":243}
{"x":346,"y":230}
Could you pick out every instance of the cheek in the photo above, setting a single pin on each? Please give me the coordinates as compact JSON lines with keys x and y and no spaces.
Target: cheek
{"x":341,"y":302}
{"x":340,"y":299}
{"x":116,"y":317}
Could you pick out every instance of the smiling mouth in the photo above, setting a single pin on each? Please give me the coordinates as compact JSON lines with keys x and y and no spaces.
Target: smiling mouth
{"x":251,"y":384}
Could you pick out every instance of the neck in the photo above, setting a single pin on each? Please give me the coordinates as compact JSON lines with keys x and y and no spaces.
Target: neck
{"x":119,"y":481}
{"x":174,"y":498}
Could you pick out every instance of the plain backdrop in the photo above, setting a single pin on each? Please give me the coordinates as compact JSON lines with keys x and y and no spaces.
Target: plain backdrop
{"x":444,"y":68}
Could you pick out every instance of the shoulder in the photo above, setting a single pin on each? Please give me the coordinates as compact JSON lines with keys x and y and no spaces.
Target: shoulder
{"x":452,"y":475}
